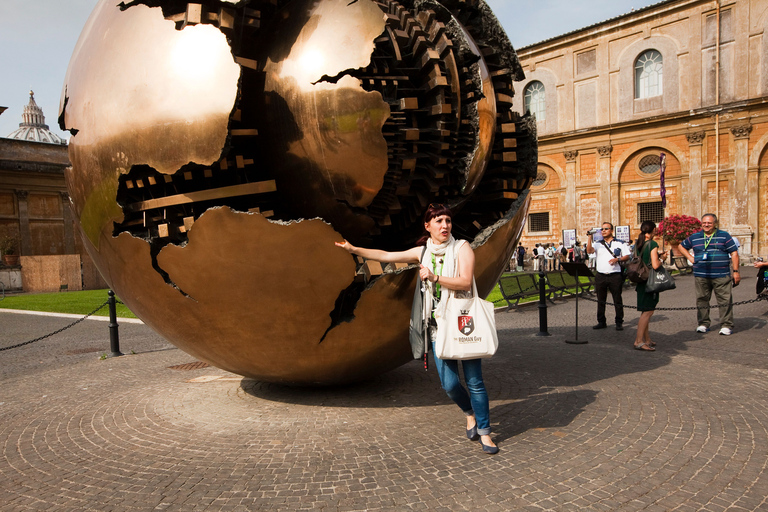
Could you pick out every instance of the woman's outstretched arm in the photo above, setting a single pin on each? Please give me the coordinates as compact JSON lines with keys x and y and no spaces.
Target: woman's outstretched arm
{"x":409,"y":256}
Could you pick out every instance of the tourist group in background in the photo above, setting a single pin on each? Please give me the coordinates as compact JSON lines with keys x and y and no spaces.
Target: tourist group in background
{"x":549,"y":257}
{"x":712,"y":253}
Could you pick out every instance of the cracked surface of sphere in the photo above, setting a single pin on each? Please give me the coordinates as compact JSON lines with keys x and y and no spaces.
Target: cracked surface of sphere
{"x":219,"y":148}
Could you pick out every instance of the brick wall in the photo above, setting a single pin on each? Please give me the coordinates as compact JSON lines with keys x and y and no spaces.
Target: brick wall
{"x":588,"y":168}
{"x":762,"y":216}
{"x":763,"y":162}
{"x":589,"y":213}
{"x":725,"y":146}
{"x":725,"y":205}
{"x":553,"y":182}
{"x":758,"y":130}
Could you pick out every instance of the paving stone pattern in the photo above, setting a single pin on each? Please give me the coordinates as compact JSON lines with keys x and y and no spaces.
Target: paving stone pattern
{"x":581,"y":427}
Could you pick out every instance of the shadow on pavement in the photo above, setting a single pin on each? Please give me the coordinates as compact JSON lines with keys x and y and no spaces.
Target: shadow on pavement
{"x":521,"y":377}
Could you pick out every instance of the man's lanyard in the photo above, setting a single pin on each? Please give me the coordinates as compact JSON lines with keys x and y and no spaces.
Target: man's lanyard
{"x":707,"y":240}
{"x":437,"y":272}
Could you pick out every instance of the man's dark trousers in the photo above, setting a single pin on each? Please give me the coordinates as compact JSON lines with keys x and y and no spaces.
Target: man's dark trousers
{"x":603,"y":283}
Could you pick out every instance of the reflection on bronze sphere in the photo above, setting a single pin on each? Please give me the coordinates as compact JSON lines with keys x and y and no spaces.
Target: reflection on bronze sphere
{"x":219,"y":149}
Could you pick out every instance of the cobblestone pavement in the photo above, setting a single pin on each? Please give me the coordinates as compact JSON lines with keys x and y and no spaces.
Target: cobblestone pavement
{"x":581,"y":427}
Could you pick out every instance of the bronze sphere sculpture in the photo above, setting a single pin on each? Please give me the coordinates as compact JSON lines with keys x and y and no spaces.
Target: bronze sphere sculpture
{"x":219,"y":148}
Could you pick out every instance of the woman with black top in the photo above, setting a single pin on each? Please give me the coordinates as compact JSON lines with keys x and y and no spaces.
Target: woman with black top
{"x":648,"y":250}
{"x":448,"y":264}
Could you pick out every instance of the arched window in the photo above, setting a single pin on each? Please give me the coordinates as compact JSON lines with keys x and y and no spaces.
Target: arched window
{"x":535,"y":101}
{"x":650,"y":164}
{"x":648,"y":75}
{"x":541,"y":179}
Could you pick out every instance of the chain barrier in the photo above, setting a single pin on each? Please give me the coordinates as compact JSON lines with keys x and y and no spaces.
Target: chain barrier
{"x":759,"y":298}
{"x":56,"y":332}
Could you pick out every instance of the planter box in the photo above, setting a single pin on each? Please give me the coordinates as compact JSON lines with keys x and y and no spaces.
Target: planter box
{"x":11,"y":278}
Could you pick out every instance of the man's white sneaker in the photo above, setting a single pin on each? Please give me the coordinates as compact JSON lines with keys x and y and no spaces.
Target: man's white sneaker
{"x":725,"y":331}
{"x":702,"y":328}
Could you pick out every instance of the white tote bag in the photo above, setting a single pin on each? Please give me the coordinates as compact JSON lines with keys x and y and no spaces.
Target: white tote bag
{"x":468,"y":329}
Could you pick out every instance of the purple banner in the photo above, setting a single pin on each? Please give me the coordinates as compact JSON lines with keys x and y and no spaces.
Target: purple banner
{"x":663,"y":164}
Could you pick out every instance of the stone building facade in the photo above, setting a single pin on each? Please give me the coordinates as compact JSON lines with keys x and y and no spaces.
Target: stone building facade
{"x":610,"y":98}
{"x":34,"y":207}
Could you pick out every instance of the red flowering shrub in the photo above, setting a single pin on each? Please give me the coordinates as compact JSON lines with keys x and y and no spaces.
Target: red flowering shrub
{"x":676,"y":228}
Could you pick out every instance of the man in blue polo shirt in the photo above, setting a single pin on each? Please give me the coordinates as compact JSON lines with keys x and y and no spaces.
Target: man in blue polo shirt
{"x":713,"y":252}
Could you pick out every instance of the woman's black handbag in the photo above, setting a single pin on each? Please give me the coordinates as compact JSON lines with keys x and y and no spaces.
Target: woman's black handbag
{"x":659,"y":280}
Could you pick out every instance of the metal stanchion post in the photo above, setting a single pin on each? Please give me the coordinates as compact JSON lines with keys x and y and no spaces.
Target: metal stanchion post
{"x":114,"y":336}
{"x":542,"y":304}
{"x":577,"y":270}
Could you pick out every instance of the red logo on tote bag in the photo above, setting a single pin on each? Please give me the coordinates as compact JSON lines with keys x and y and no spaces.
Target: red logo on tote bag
{"x":466,"y":324}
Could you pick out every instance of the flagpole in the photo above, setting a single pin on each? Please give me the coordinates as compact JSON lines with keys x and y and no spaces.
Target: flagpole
{"x":663,"y":192}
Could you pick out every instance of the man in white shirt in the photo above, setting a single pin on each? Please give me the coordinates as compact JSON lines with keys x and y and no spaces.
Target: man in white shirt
{"x":608,"y":253}
{"x":549,"y":257}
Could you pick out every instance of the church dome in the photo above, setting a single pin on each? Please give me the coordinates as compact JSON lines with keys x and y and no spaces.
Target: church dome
{"x":33,"y":127}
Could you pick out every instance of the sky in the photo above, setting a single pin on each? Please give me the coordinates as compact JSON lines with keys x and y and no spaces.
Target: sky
{"x":37,"y":38}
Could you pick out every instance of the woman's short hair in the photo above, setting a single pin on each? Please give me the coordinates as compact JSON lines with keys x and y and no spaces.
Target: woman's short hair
{"x":436,"y":210}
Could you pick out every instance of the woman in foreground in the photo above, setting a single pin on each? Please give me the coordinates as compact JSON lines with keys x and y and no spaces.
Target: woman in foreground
{"x":447,"y":264}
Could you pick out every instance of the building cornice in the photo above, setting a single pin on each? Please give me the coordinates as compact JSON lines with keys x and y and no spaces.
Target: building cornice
{"x":648,"y":122}
{"x":11,"y":166}
{"x":605,"y":27}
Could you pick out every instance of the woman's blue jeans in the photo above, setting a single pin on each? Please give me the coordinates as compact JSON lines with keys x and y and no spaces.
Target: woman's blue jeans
{"x":476,"y":401}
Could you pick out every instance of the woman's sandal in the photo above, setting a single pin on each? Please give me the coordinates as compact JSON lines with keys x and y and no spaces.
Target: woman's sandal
{"x":644,"y":347}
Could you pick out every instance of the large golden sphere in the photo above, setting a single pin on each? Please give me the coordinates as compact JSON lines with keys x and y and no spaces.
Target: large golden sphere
{"x":219,"y":148}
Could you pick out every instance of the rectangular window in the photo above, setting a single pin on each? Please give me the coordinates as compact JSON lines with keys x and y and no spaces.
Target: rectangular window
{"x":538,"y":222}
{"x":650,"y":211}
